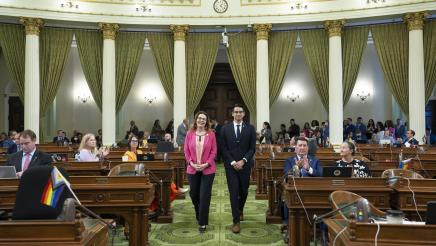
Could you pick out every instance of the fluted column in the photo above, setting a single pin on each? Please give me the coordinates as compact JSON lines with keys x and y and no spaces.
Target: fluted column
{"x":336,"y":112}
{"x":262,"y":74}
{"x":109,"y":93}
{"x":31,"y":74}
{"x":415,"y":23}
{"x":179,"y":106}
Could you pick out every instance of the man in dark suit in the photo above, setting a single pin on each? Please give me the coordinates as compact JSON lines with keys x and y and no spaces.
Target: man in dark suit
{"x":302,"y":164}
{"x":29,"y":156}
{"x":16,"y":146}
{"x":238,"y":145}
{"x":410,"y":139}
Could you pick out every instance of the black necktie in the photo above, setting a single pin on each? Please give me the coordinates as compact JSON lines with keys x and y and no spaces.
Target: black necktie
{"x":238,"y":131}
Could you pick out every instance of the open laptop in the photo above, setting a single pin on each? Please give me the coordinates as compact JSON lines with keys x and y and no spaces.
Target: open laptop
{"x":165,"y":147}
{"x":344,"y":172}
{"x":430,"y":218}
{"x":8,"y":172}
{"x":145,"y":157}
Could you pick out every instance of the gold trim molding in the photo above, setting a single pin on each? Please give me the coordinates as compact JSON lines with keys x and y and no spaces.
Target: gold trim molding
{"x":109,"y":30}
{"x":262,"y":31}
{"x":32,"y":26}
{"x":415,"y":21}
{"x":179,"y":32}
{"x":334,"y":27}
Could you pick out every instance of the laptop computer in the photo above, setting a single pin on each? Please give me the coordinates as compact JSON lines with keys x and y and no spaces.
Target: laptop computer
{"x":164,"y":147}
{"x":145,"y":157}
{"x":344,"y":172}
{"x":430,"y":218}
{"x":8,"y":172}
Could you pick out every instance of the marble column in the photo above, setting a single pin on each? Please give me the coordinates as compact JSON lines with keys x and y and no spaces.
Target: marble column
{"x":179,"y":101}
{"x":31,"y":74}
{"x":415,"y":23}
{"x":262,"y":75}
{"x":109,"y":89}
{"x":336,"y":111}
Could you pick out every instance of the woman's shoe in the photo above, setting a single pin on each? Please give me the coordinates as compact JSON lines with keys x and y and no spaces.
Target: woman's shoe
{"x":202,"y":229}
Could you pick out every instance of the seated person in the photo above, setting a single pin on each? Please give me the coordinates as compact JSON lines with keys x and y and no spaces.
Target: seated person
{"x":131,"y":156}
{"x":387,"y":137}
{"x":168,"y":138}
{"x":61,"y":138}
{"x":302,"y":164}
{"x":88,"y":149}
{"x":360,"y":169}
{"x":410,"y":140}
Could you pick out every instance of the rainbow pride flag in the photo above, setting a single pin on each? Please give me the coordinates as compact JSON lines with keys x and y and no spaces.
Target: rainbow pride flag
{"x":53,"y":189}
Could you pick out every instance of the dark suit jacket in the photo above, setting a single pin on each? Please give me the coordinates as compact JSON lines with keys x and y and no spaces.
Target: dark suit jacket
{"x":12,"y":149}
{"x":236,"y":149}
{"x":313,"y":163}
{"x":38,"y":159}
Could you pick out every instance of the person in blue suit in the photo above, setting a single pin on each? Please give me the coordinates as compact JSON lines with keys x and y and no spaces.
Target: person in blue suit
{"x":302,"y":164}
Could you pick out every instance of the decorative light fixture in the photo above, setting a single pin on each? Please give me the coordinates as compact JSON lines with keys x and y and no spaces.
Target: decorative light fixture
{"x":298,"y":4}
{"x":83,"y":98}
{"x":150,"y":99}
{"x":143,"y":6}
{"x":363,"y":96}
{"x":375,"y":1}
{"x":293,"y":97}
{"x":69,"y":4}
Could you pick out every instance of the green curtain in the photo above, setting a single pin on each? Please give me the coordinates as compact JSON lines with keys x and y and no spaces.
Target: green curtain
{"x":392,"y":44}
{"x":201,"y":51}
{"x":280,"y":49}
{"x":242,"y":59}
{"x":13,"y":44}
{"x":429,"y":57}
{"x":316,"y":50}
{"x":162,"y":47}
{"x":128,"y":48}
{"x":354,"y":41}
{"x":55,"y":44}
{"x":90,"y":47}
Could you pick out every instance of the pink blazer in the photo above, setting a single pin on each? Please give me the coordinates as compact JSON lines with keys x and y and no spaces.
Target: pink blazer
{"x":207,"y":156}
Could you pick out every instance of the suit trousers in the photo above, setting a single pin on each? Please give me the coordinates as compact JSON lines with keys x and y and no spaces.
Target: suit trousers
{"x":201,"y":193}
{"x":238,"y":183}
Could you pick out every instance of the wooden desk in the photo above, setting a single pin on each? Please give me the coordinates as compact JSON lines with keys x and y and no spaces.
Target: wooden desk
{"x":129,"y":197}
{"x":314,"y":193}
{"x":92,"y":168}
{"x":363,"y":234}
{"x":52,"y":232}
{"x":178,"y":158}
{"x":159,"y":171}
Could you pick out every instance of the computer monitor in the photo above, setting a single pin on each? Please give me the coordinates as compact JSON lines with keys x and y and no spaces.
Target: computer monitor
{"x":344,"y":172}
{"x":430,"y":218}
{"x":8,"y":172}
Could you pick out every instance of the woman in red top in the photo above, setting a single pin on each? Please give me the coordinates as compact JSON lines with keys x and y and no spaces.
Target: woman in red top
{"x":200,"y":151}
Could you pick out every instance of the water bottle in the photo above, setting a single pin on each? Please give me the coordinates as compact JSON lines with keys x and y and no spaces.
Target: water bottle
{"x":400,"y":159}
{"x":165,"y":157}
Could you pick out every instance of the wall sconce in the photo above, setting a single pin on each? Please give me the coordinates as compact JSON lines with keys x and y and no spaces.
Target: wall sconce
{"x":144,"y":6}
{"x":298,"y":5}
{"x":375,"y":1}
{"x":150,"y":99}
{"x":83,"y":98}
{"x":69,"y":4}
{"x":363,"y":96}
{"x":293,"y":97}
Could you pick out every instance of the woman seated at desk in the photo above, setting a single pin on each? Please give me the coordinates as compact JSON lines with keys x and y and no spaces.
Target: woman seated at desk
{"x":130,"y":155}
{"x":360,"y":169}
{"x":88,"y":149}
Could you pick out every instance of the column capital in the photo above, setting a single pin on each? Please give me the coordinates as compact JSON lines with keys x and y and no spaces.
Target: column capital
{"x":415,"y":21}
{"x":109,"y":30}
{"x":32,"y":25}
{"x":179,"y":32}
{"x":334,"y":27}
{"x":262,"y":31}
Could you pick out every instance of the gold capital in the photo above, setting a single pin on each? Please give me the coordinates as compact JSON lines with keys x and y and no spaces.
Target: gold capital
{"x":109,"y":30}
{"x":334,"y":27}
{"x":32,"y":26}
{"x":179,"y":32}
{"x":415,"y":21}
{"x":262,"y":31}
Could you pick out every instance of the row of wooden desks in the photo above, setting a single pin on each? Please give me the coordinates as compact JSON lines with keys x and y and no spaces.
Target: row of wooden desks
{"x":129,"y":197}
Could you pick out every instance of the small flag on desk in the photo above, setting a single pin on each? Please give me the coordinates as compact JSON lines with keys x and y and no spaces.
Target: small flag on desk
{"x":54,"y":188}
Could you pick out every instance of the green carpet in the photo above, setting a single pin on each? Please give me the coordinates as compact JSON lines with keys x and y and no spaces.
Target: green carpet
{"x":184,"y":229}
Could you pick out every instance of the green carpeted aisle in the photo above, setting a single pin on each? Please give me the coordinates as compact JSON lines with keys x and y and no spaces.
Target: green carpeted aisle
{"x":184,"y":229}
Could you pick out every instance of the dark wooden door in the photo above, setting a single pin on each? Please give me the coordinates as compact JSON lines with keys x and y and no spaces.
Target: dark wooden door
{"x":221,"y":94}
{"x":16,"y":114}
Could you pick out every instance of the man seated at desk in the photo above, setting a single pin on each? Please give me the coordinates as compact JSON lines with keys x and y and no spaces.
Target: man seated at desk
{"x":29,"y":156}
{"x":410,"y":140}
{"x":302,"y":164}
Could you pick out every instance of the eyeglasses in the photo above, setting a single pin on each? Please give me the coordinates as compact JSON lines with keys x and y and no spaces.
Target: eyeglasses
{"x":238,"y":112}
{"x":200,"y":118}
{"x":134,"y":141}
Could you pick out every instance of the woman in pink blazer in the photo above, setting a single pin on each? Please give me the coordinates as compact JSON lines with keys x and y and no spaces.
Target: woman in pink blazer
{"x":200,"y":151}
